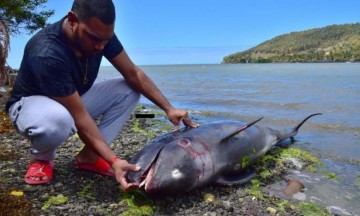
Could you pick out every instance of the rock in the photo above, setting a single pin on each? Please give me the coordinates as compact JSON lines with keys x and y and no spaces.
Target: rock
{"x":271,"y":210}
{"x":315,"y":199}
{"x":44,"y":197}
{"x":299,"y":196}
{"x":29,"y":188}
{"x":59,"y":184}
{"x":209,"y":197}
{"x":337,"y":211}
{"x":241,"y":193}
{"x":210,"y":214}
{"x":298,"y":164}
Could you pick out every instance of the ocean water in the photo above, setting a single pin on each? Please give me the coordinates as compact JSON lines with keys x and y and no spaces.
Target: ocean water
{"x":283,"y":94}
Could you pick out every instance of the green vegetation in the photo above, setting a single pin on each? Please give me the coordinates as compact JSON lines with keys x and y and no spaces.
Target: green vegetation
{"x":264,"y":166}
{"x":55,"y":200}
{"x":85,"y":191}
{"x":335,"y":43}
{"x":330,"y":175}
{"x":310,"y":209}
{"x":15,"y":17}
{"x":301,"y":154}
{"x":245,"y":161}
{"x":255,"y":189}
{"x":137,"y":129}
{"x":138,"y":202}
{"x":283,"y":204}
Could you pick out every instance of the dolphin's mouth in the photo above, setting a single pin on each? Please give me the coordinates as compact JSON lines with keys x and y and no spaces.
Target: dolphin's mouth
{"x":146,"y":177}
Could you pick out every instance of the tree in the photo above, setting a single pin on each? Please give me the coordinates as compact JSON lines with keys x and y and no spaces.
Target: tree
{"x":18,"y":16}
{"x":4,"y":49}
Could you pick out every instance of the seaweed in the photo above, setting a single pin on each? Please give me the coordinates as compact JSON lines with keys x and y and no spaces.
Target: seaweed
{"x":138,"y":202}
{"x":55,"y":200}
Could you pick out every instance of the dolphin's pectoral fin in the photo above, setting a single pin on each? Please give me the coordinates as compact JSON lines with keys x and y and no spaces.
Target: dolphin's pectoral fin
{"x":241,"y":178}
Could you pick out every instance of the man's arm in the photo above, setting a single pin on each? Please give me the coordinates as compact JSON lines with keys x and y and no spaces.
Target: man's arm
{"x":87,"y":129}
{"x":140,"y":82}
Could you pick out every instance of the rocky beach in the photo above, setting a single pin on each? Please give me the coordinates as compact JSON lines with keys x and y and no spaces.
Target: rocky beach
{"x":77,"y":192}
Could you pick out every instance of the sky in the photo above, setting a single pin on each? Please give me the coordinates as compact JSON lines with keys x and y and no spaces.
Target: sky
{"x":204,"y":31}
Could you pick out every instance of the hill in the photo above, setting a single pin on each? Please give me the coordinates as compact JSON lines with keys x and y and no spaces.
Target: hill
{"x":334,"y":43}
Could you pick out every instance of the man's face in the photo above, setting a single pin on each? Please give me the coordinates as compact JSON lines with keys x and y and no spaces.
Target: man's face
{"x":92,"y":35}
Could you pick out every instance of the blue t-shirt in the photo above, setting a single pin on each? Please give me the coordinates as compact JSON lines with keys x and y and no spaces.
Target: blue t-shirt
{"x":50,"y":67}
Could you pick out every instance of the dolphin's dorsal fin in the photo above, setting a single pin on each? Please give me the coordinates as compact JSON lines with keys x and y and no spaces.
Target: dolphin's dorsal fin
{"x":225,"y":138}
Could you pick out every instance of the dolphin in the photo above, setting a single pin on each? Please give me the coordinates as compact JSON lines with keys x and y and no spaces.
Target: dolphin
{"x":214,"y":153}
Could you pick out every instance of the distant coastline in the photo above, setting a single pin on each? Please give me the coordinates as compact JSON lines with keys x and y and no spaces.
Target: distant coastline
{"x":330,"y":44}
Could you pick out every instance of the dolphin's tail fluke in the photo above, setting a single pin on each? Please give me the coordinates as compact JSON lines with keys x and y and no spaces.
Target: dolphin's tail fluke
{"x":282,"y":135}
{"x":303,"y":121}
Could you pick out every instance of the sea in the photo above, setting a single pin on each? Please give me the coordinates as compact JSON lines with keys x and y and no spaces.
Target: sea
{"x":284,"y":94}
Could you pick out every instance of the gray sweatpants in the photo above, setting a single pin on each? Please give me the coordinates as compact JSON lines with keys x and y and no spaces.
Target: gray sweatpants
{"x":48,"y":124}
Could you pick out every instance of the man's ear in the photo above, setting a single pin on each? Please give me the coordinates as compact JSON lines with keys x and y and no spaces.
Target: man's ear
{"x":72,"y":19}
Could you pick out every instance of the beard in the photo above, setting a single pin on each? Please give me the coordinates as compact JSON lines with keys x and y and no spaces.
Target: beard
{"x":80,"y":46}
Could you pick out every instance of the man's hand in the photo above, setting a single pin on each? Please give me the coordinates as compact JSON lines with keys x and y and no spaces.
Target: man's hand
{"x":178,"y":115}
{"x":120,"y":168}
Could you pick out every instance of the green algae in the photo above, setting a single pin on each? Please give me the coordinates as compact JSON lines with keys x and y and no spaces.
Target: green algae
{"x":300,"y":154}
{"x":85,"y":191}
{"x":357,"y":181}
{"x":245,"y":161}
{"x":138,"y":202}
{"x":310,"y":169}
{"x":137,"y":129}
{"x":330,"y":175}
{"x":282,"y":205}
{"x":311,"y":209}
{"x":276,"y":157}
{"x":255,"y":189}
{"x":265,"y":174}
{"x":264,"y":163}
{"x":55,"y":200}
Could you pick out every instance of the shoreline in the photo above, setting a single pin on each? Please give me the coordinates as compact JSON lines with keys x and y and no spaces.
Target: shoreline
{"x":87,"y":193}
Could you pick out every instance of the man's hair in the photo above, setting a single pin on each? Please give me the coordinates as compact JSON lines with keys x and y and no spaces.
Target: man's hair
{"x":104,"y":10}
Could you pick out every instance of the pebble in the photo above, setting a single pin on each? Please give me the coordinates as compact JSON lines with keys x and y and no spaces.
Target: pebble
{"x":337,"y":211}
{"x":271,"y":210}
{"x":44,"y":197}
{"x":209,"y":197}
{"x":79,"y":207}
{"x":29,"y":188}
{"x":299,"y":196}
{"x":59,"y":184}
{"x":241,"y":193}
{"x":210,"y":214}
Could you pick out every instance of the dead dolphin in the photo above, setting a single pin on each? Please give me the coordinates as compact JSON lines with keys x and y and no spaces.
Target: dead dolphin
{"x":217,"y":152}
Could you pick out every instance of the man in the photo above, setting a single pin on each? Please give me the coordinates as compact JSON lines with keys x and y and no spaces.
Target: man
{"x":55,"y":95}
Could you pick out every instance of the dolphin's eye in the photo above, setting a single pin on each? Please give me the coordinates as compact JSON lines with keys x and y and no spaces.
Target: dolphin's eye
{"x":176,"y":174}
